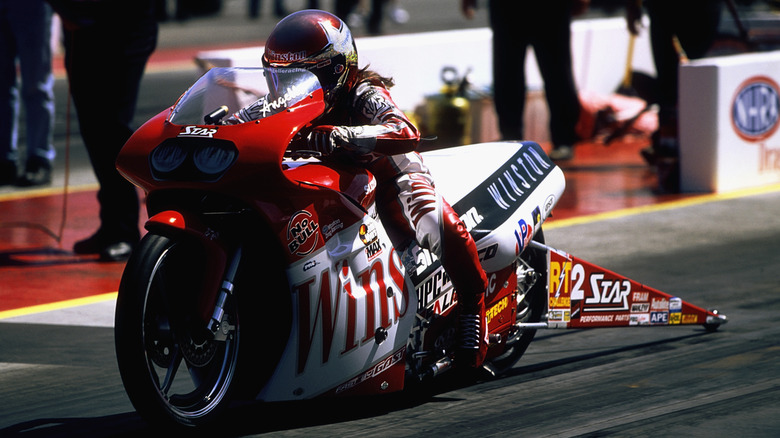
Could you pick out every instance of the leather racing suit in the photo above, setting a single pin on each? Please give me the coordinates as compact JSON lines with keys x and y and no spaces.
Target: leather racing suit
{"x":367,"y":127}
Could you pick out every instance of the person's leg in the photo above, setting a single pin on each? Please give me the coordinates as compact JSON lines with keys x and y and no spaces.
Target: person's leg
{"x":105,"y":127}
{"x":9,"y":101}
{"x":510,"y":41}
{"x":552,"y":47}
{"x":33,"y":28}
{"x":411,"y":208}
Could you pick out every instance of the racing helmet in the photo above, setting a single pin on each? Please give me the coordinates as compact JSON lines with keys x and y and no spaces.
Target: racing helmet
{"x":317,"y":41}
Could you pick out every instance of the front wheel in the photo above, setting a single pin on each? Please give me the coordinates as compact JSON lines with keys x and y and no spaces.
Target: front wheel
{"x":173,"y":369}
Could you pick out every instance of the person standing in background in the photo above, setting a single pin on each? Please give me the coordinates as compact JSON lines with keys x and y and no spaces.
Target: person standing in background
{"x":25,"y":36}
{"x":678,"y":29}
{"x":545,"y":26}
{"x":107,"y":45}
{"x":255,"y":5}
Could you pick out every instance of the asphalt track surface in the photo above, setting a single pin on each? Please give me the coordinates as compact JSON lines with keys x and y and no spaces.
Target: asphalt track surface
{"x":716,"y":252}
{"x":58,"y":374}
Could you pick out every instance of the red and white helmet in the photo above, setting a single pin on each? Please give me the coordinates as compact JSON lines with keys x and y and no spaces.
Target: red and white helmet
{"x":319,"y":42}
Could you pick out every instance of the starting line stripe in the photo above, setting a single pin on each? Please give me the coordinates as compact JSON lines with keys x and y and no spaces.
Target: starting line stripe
{"x":46,"y":191}
{"x":59,"y":305}
{"x":670,"y":205}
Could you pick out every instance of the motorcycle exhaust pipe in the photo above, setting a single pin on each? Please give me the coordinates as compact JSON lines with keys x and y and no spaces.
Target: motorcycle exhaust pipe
{"x":439,"y":367}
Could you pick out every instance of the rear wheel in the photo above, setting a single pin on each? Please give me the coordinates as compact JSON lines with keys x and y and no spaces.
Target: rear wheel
{"x":531,"y":298}
{"x":172,"y":367}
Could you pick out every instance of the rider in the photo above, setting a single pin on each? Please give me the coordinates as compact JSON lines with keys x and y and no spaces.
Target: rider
{"x":362,"y":123}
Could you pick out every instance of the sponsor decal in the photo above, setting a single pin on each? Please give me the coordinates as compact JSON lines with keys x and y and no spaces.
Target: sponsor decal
{"x":769,"y":159}
{"x":443,"y":303}
{"x":661,"y":304}
{"x":367,"y":233}
{"x":560,"y":302}
{"x":754,"y":111}
{"x":497,"y":309}
{"x":436,"y":286}
{"x":275,"y":56}
{"x":560,"y":315}
{"x":608,"y":294}
{"x":640,"y":307}
{"x":524,"y":233}
{"x":659,"y":317}
{"x":640,"y":319}
{"x":536,"y":216}
{"x":690,"y":318}
{"x":595,"y":319}
{"x":330,"y":229}
{"x":374,"y":371}
{"x":560,"y":281}
{"x":488,"y":252}
{"x":548,"y":205}
{"x":496,"y":198}
{"x":471,"y":219}
{"x":197,"y":131}
{"x":267,"y":104}
{"x":755,"y":118}
{"x":302,"y":235}
{"x":371,"y":186}
{"x":341,"y":310}
{"x":370,"y":238}
{"x":675,"y":309}
{"x":420,"y":262}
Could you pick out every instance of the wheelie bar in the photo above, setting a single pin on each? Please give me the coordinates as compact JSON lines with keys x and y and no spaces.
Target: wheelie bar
{"x":583,"y":295}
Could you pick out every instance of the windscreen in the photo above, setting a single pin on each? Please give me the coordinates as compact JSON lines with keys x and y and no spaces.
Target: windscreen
{"x":256,"y":93}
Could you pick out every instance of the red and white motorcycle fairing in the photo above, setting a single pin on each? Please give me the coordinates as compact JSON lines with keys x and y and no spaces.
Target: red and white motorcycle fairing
{"x":354,"y":305}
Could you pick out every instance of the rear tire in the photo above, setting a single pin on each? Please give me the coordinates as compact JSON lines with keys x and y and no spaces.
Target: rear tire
{"x":530,"y":308}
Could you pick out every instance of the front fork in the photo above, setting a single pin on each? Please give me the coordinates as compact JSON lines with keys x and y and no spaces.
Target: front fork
{"x":172,"y":222}
{"x":219,"y":326}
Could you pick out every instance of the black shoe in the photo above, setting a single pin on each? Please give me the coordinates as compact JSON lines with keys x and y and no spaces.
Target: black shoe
{"x":116,"y":252}
{"x":36,"y":173}
{"x":8,"y":172}
{"x":109,"y":249}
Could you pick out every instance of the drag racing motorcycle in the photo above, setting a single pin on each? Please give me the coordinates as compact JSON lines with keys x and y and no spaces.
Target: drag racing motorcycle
{"x":266,"y":274}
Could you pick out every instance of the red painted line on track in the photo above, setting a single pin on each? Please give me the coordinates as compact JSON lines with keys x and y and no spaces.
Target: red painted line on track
{"x":36,"y":269}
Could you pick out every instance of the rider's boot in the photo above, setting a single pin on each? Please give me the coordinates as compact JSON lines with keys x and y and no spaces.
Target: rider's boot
{"x":472,"y":334}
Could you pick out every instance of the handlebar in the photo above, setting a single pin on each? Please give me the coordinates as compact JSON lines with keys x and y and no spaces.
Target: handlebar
{"x":299,"y":148}
{"x":215,"y":116}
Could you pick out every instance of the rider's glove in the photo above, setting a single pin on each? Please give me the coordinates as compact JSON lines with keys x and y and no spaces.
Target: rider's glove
{"x":324,"y":139}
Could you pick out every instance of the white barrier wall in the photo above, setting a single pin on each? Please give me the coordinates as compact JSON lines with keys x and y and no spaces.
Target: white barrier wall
{"x":599,"y":49}
{"x":729,"y":137}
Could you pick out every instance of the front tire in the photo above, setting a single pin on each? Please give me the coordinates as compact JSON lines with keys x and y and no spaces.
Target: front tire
{"x":173,"y":370}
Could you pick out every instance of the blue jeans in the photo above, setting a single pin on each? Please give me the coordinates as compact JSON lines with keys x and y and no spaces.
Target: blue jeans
{"x":25,"y":36}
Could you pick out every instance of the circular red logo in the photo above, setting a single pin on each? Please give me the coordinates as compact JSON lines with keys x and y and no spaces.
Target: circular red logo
{"x":302,"y":234}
